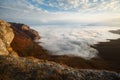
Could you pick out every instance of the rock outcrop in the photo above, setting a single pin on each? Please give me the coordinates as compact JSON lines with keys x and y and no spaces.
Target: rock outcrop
{"x":6,"y":37}
{"x":13,"y":67}
{"x":23,"y":42}
{"x":30,"y":33}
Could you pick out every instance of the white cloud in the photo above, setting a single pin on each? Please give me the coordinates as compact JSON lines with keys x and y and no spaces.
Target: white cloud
{"x":39,"y":1}
{"x":21,"y":11}
{"x":74,"y":3}
{"x":25,"y":12}
{"x":74,"y":40}
{"x":20,"y":5}
{"x":110,"y":6}
{"x":81,"y":4}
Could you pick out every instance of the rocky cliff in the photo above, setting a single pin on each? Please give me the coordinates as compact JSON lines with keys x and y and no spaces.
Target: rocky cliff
{"x":6,"y":37}
{"x":25,"y":30}
{"x":13,"y":67}
{"x":23,"y":41}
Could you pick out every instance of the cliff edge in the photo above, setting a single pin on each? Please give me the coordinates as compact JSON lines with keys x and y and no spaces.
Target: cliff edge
{"x":24,"y":40}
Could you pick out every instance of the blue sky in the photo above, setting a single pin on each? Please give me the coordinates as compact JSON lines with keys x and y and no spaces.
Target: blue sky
{"x":60,"y":11}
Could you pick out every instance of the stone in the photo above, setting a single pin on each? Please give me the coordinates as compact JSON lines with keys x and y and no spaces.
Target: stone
{"x":6,"y":37}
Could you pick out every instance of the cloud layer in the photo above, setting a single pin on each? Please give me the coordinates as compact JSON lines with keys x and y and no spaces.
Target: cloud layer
{"x":59,"y":11}
{"x":74,"y":40}
{"x":80,"y":5}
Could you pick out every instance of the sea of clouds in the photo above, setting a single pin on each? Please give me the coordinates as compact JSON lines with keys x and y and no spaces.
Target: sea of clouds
{"x":74,"y":40}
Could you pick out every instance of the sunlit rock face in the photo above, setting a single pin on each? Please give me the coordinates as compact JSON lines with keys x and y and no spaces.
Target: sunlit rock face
{"x":6,"y":37}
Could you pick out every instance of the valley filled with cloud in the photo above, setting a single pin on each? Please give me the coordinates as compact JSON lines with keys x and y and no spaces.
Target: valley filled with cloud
{"x":74,"y":40}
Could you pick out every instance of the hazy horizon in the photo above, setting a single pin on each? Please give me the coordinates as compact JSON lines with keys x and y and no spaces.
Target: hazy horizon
{"x":57,"y":12}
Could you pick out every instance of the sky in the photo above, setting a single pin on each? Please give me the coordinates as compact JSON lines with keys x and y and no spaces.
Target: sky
{"x":36,"y":12}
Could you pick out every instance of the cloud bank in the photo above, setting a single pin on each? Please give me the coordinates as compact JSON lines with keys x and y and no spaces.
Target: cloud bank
{"x":74,"y":40}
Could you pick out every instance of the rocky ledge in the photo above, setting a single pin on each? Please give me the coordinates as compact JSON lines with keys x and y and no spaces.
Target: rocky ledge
{"x":14,"y":67}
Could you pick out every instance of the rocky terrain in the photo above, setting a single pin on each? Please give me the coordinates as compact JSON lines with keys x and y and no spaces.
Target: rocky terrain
{"x":12,"y":68}
{"x":16,"y":41}
{"x":23,"y":42}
